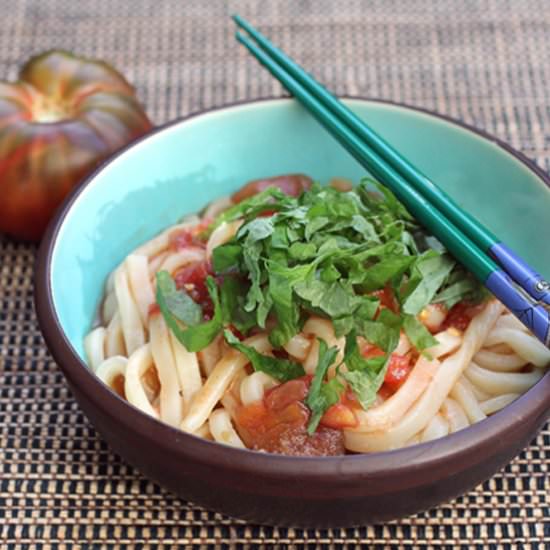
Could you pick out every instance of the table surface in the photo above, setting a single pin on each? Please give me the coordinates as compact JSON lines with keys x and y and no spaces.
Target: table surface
{"x":486,"y":62}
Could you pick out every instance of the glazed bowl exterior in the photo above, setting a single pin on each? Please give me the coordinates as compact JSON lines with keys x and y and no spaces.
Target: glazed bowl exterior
{"x":176,"y":170}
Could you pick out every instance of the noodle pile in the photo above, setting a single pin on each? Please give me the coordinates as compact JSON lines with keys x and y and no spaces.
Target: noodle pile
{"x":461,"y":380}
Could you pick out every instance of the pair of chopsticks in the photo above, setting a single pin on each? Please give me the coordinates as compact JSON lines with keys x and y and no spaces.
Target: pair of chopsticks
{"x":502,"y":271}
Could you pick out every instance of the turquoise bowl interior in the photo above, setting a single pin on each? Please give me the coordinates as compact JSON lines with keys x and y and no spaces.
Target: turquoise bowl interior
{"x":180,"y":168}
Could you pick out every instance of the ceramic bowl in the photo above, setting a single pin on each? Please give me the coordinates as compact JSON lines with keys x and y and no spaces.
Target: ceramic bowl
{"x":177,"y":169}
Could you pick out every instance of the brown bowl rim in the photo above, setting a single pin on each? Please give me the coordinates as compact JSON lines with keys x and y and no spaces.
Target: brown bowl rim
{"x":482,"y":437}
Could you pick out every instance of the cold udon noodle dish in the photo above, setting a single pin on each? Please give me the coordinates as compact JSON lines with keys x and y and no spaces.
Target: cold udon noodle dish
{"x":308,"y":320}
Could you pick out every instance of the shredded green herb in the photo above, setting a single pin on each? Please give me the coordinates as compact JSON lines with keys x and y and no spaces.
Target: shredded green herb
{"x":322,"y":395}
{"x":173,"y":305}
{"x":280,"y":369}
{"x":325,"y":251}
{"x":331,"y":254}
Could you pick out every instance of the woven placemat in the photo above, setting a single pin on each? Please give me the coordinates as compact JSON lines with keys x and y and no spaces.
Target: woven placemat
{"x":485,"y":62}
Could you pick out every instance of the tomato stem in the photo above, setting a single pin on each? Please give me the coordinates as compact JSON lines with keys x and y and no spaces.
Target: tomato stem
{"x":49,"y":110}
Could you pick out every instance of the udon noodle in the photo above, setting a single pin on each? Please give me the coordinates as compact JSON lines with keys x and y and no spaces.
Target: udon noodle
{"x":470,"y":372}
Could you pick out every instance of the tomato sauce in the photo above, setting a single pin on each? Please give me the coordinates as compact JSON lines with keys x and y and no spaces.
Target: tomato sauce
{"x":278,"y":424}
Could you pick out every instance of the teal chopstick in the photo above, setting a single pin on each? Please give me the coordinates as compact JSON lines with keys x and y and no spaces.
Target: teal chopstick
{"x":530,"y":311}
{"x":512,"y":264}
{"x":468,"y":224}
{"x":456,"y":242}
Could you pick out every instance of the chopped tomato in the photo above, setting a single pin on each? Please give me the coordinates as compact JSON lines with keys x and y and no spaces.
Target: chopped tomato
{"x":338,"y":417}
{"x":387,"y":299}
{"x":290,"y":184}
{"x":457,"y":318}
{"x":154,"y":309}
{"x":280,"y":353}
{"x":384,"y":392}
{"x":186,"y":238}
{"x":236,"y":332}
{"x":193,"y":274}
{"x":252,"y":418}
{"x":278,"y":424}
{"x":460,"y":315}
{"x":192,"y":277}
{"x":283,"y":395}
{"x":349,"y":399}
{"x":267,"y":213}
{"x":370,"y":351}
{"x":398,"y":371}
